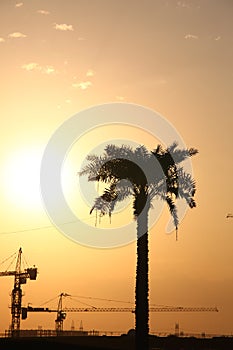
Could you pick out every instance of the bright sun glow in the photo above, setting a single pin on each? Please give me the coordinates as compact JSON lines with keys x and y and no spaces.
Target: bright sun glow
{"x":22,"y":178}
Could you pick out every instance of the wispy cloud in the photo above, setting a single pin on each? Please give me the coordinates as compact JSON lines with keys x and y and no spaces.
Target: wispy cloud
{"x":48,"y":70}
{"x":43,"y":12}
{"x":187,"y":5}
{"x":191,"y":36}
{"x":33,"y":66}
{"x":17,"y":35}
{"x":183,"y":4}
{"x":83,"y":85}
{"x":19,"y":4}
{"x":90,"y":73}
{"x":2,"y":40}
{"x":63,"y":27}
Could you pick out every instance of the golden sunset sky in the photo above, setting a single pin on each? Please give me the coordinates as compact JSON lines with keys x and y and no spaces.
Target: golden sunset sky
{"x":60,"y":57}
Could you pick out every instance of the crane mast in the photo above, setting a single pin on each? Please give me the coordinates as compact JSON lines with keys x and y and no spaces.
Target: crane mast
{"x":61,"y":314}
{"x":16,"y":297}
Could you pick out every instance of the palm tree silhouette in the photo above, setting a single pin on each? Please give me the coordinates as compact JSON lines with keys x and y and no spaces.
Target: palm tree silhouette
{"x":144,"y":175}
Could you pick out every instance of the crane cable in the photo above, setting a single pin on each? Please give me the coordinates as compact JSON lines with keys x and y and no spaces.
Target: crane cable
{"x":11,"y":263}
{"x":102,"y":299}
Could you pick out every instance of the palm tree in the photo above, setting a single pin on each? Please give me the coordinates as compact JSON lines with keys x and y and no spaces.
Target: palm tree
{"x":143,"y":175}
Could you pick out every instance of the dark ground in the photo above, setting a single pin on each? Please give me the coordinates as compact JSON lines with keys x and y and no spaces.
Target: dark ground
{"x":116,"y":343}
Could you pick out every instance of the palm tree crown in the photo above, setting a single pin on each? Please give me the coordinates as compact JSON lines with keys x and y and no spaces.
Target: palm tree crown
{"x":140,"y":173}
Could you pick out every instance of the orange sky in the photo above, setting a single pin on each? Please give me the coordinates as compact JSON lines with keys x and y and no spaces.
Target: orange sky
{"x":174,"y":57}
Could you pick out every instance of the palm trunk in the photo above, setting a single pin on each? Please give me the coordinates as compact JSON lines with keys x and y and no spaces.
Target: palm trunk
{"x":142,"y":284}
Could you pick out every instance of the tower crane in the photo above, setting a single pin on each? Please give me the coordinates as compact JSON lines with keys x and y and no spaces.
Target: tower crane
{"x":16,"y":295}
{"x":62,"y":312}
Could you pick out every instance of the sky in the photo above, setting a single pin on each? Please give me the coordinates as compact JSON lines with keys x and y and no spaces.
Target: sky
{"x":59,"y":58}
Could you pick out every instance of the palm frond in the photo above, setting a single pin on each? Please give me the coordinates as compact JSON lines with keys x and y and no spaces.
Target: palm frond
{"x":173,"y":210}
{"x":158,"y":150}
{"x":117,"y":192}
{"x":141,"y":153}
{"x":172,"y":147}
{"x":106,"y":202}
{"x":158,"y":190}
{"x":113,"y":151}
{"x":124,"y":190}
{"x":179,"y":155}
{"x":192,"y":151}
{"x":187,"y":187}
{"x":92,"y":167}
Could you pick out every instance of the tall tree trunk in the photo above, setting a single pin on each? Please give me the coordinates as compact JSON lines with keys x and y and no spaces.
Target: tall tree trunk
{"x":142,"y":284}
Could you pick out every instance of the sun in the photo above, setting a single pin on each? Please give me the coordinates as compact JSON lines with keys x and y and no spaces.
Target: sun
{"x":22,"y":178}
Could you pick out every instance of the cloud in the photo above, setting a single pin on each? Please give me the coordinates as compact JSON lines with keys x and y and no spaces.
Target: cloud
{"x":83,"y":85}
{"x":183,"y":4}
{"x":90,"y":73}
{"x":191,"y":36}
{"x":17,"y":35}
{"x":63,"y":27}
{"x":43,"y":12}
{"x":33,"y":66}
{"x":217,"y":38}
{"x":187,"y":5}
{"x":2,"y":40}
{"x":48,"y":70}
{"x":19,"y":4}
